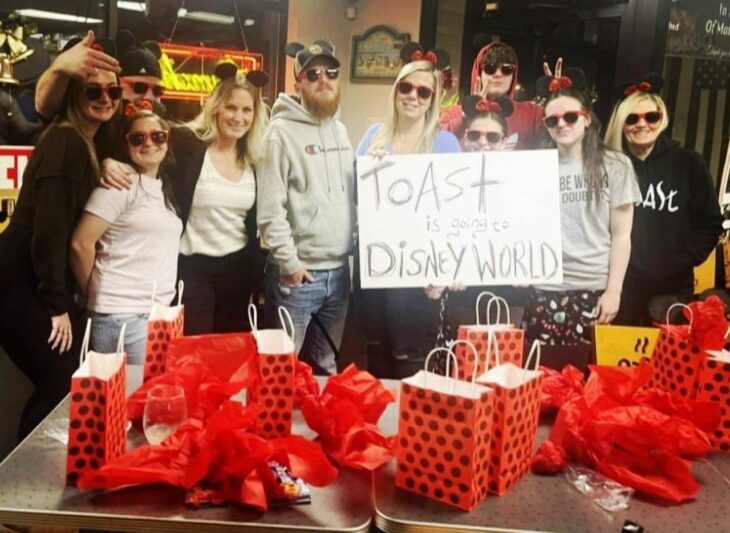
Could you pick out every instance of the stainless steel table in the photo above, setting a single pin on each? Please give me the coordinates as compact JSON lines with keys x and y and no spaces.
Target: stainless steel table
{"x":32,"y":492}
{"x":540,"y":503}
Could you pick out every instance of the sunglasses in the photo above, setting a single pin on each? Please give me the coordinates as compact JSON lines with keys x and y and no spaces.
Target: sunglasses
{"x":652,"y":117}
{"x":94,"y":92}
{"x":423,"y":92}
{"x":140,"y":87}
{"x":571,"y":117}
{"x":493,"y":137}
{"x":313,"y":74}
{"x":506,"y":68}
{"x":138,"y":138}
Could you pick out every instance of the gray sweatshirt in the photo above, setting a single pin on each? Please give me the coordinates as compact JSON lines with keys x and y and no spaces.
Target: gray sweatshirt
{"x":305,"y":190}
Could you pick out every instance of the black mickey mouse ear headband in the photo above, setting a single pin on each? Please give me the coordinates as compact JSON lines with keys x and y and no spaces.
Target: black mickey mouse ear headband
{"x":475,"y":104}
{"x":651,"y":83}
{"x":413,"y":51}
{"x":570,"y":78}
{"x":227,"y":70}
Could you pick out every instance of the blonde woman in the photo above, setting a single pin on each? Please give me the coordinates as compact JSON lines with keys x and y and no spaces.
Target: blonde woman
{"x":677,"y":223}
{"x":39,"y":319}
{"x":215,"y":188}
{"x":411,"y":127}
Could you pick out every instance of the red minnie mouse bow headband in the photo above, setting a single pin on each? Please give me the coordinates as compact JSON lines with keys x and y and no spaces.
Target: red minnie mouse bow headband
{"x":488,"y":106}
{"x":473,"y":105}
{"x":570,"y":78}
{"x":130,"y":108}
{"x":413,"y":51}
{"x":563,"y":82}
{"x":651,"y":83}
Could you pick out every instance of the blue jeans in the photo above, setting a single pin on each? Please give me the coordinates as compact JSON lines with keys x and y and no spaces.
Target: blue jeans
{"x":105,"y":330}
{"x":327,"y":298}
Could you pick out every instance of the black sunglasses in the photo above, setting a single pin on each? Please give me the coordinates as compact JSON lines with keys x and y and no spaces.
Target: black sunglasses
{"x":423,"y":92}
{"x":506,"y":68}
{"x":652,"y":117}
{"x":571,"y":117}
{"x":138,"y":138}
{"x":94,"y":92}
{"x":493,"y":137}
{"x":140,"y":87}
{"x":313,"y":74}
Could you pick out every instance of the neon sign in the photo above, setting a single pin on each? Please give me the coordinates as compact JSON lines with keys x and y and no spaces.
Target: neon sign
{"x":187,"y":71}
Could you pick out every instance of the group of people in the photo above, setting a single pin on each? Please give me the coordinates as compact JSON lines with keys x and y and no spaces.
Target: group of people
{"x":118,"y":204}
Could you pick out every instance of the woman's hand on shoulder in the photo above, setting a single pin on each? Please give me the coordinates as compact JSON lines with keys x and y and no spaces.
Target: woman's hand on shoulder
{"x":116,"y":175}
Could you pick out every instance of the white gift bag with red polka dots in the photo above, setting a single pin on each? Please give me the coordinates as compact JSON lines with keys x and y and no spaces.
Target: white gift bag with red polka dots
{"x":714,"y":386}
{"x":273,"y":390}
{"x":165,"y":324}
{"x":510,"y":339}
{"x":98,"y":411}
{"x":444,"y":432}
{"x":516,"y":414}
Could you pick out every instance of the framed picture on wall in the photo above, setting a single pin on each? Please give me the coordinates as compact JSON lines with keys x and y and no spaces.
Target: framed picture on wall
{"x":376,"y":54}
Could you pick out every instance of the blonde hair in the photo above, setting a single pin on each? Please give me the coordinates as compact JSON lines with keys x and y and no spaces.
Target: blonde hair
{"x":615,"y":131}
{"x":205,"y":125}
{"x":388,"y":131}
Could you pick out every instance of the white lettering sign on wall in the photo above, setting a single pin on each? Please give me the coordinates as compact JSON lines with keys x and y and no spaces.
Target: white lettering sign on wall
{"x":488,"y":218}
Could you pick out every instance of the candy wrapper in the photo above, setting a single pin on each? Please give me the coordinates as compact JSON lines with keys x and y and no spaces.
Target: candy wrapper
{"x":345,"y":417}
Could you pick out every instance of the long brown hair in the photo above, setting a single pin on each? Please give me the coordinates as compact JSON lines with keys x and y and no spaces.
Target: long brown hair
{"x":168,"y":162}
{"x":593,"y":149}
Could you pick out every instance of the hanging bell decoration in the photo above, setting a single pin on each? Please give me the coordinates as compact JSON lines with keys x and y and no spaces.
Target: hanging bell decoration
{"x":6,"y":71}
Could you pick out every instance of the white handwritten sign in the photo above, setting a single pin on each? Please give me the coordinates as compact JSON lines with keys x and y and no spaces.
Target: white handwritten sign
{"x":480,"y":219}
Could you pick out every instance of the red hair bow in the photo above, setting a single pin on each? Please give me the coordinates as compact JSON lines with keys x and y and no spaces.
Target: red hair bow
{"x":563,"y":82}
{"x":417,"y":55}
{"x":130,"y":108}
{"x":643,"y":87}
{"x":429,"y":56}
{"x":488,"y":106}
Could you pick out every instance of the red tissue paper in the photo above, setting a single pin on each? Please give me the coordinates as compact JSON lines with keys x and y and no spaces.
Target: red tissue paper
{"x":345,"y":417}
{"x":559,"y":387}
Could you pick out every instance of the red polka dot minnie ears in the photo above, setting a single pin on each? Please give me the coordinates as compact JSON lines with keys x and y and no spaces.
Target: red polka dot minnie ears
{"x":413,"y":51}
{"x":569,"y":78}
{"x":257,"y":78}
{"x":650,"y":83}
{"x":474,"y":104}
{"x":130,"y":108}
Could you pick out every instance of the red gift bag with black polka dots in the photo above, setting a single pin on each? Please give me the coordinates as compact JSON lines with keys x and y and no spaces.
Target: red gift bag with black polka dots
{"x":676,"y":362}
{"x":273,"y":389}
{"x":98,"y":411}
{"x":510,"y":340}
{"x":516,"y":413}
{"x":444,"y":432}
{"x":165,"y":324}
{"x":714,"y":386}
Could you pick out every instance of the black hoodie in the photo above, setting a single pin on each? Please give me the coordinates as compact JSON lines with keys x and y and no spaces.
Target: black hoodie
{"x":678,"y":222}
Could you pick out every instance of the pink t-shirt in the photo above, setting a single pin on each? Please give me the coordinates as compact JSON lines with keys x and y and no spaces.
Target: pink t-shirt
{"x":140,"y":247}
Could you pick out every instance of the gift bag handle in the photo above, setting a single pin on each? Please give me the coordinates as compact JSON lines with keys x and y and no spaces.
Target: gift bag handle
{"x":691,"y":314}
{"x":491,"y":341}
{"x":285,"y":319}
{"x":154,"y":292}
{"x":450,"y":354}
{"x":120,"y":340}
{"x":476,"y":356}
{"x":180,"y":290}
{"x":253,"y":316}
{"x":479,"y":299}
{"x":85,"y":343}
{"x":536,"y":350}
{"x":499,"y":300}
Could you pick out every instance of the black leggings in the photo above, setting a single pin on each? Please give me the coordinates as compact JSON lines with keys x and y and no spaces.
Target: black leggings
{"x":25,"y":326}
{"x":217,"y":291}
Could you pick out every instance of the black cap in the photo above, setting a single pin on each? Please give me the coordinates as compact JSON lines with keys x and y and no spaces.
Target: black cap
{"x":304,"y":55}
{"x":140,"y":62}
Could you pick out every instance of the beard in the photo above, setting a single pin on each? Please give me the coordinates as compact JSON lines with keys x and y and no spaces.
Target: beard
{"x":321,"y":104}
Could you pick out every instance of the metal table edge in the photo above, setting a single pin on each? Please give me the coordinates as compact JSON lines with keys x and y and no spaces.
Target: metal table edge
{"x":123,"y":523}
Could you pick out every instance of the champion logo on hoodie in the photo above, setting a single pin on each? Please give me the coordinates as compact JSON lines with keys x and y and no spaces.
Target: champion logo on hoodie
{"x":314,"y":149}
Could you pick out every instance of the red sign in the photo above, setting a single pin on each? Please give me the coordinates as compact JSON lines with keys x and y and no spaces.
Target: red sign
{"x":13,"y":160}
{"x":187,"y":71}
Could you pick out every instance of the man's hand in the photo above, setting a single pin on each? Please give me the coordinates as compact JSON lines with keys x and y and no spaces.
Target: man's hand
{"x":558,"y":69}
{"x":296,"y":279}
{"x":607,"y":306}
{"x":81,"y":61}
{"x":116,"y":175}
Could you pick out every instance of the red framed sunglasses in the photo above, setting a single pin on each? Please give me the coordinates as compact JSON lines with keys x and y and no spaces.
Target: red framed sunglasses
{"x":571,"y":117}
{"x":94,"y":92}
{"x":138,"y":138}
{"x":651,"y":117}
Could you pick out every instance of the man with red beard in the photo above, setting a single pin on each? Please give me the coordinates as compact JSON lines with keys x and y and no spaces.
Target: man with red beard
{"x":305,"y":205}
